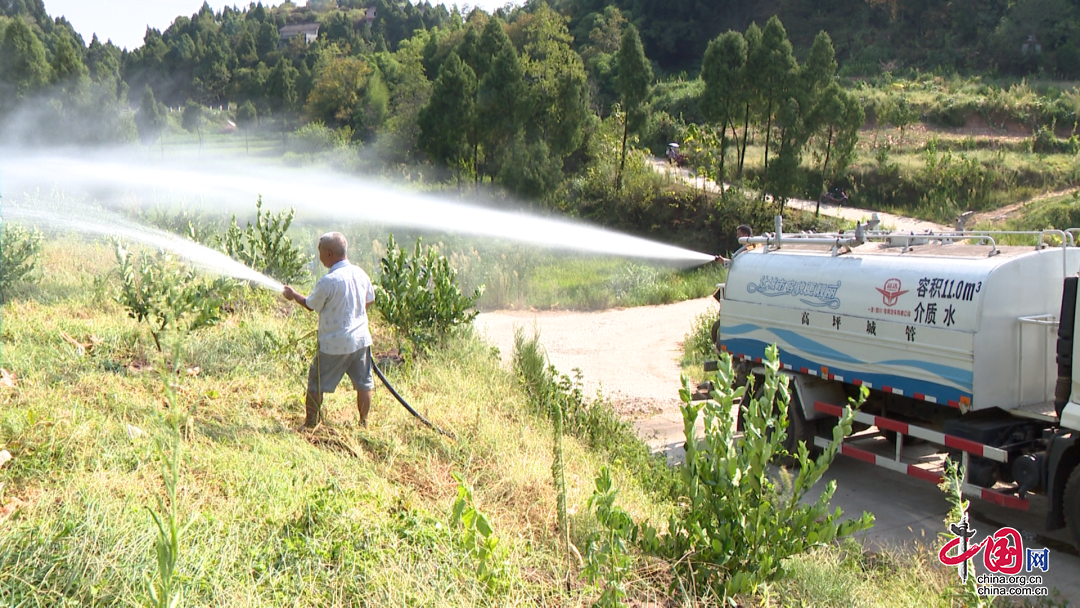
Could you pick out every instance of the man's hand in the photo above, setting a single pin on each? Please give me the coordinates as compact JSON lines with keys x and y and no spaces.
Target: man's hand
{"x":288,"y":293}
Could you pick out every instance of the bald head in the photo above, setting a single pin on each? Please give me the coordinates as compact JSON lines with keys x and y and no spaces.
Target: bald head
{"x":335,"y":244}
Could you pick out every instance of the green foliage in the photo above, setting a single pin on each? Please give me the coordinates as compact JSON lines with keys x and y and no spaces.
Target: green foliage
{"x":633,"y":82}
{"x":742,"y":519}
{"x":419,"y":296}
{"x":699,"y":344}
{"x":558,"y":475}
{"x":954,"y":183}
{"x":151,"y":118}
{"x":594,"y":423}
{"x":23,"y":66}
{"x":168,"y":296}
{"x":1045,"y":141}
{"x":477,"y":537}
{"x":193,"y":118}
{"x":19,"y":249}
{"x":606,"y":554}
{"x":265,"y":246}
{"x":964,"y":593}
{"x":164,"y":591}
{"x":445,"y":123}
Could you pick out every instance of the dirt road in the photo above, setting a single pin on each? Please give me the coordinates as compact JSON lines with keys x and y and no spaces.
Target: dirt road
{"x":888,"y":220}
{"x":631,"y":354}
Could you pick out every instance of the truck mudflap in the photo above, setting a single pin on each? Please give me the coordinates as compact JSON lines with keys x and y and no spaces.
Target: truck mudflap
{"x":894,"y":463}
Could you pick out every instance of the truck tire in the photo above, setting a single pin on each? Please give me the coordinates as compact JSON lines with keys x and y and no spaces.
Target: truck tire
{"x":799,"y":428}
{"x":1071,"y":504}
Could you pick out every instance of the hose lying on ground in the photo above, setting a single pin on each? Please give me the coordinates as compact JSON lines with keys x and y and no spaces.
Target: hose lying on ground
{"x":401,"y":400}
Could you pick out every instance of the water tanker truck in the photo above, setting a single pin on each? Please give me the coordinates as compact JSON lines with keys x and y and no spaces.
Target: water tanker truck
{"x":966,"y":347}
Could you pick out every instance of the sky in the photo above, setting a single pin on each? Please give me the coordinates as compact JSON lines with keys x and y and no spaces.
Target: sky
{"x":124,"y":21}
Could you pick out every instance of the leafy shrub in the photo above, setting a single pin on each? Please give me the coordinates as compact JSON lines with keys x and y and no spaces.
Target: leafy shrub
{"x":741,"y":518}
{"x":606,"y":555}
{"x":193,"y":224}
{"x":419,"y":296}
{"x":478,"y":537}
{"x":19,"y":249}
{"x":168,"y":296}
{"x":1044,"y":141}
{"x":951,"y":111}
{"x":265,"y":246}
{"x":698,"y":344}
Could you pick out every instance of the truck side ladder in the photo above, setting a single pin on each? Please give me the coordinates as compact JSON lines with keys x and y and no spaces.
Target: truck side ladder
{"x":966,"y":446}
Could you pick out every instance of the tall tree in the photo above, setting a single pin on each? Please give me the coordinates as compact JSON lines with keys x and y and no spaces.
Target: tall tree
{"x":778,"y":76}
{"x":558,"y":90}
{"x":721,"y":71}
{"x":192,"y":118}
{"x":633,"y":83}
{"x":151,"y":117}
{"x":23,"y":68}
{"x":446,"y":121}
{"x":281,"y":92}
{"x":246,"y":115}
{"x":500,"y":98}
{"x":750,"y":90}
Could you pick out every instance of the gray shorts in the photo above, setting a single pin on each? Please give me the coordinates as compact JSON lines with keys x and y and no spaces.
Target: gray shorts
{"x":329,"y":369}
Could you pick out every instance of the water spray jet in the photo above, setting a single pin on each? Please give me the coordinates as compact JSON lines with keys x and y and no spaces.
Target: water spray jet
{"x":323,"y":196}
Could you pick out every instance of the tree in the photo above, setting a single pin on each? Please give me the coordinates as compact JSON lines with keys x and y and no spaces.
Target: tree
{"x":281,"y":92}
{"x":750,"y":90}
{"x":632,"y":82}
{"x":374,"y":108}
{"x":67,"y":65}
{"x":151,"y":118}
{"x":500,"y":111}
{"x":558,"y":89}
{"x":446,"y":121}
{"x":339,"y":82}
{"x":23,"y":68}
{"x":192,"y":118}
{"x":778,"y":73}
{"x":721,"y":71}
{"x":246,"y":116}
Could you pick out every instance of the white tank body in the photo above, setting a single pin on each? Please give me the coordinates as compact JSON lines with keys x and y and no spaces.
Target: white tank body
{"x":940,"y":323}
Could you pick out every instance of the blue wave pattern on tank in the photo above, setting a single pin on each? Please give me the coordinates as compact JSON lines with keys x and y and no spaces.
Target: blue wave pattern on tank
{"x":956,"y":383}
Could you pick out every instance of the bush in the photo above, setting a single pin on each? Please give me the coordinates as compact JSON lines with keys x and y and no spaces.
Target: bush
{"x":419,"y":296}
{"x":1044,"y":141}
{"x":741,"y":518}
{"x":168,"y":296}
{"x":265,"y":246}
{"x":19,"y":249}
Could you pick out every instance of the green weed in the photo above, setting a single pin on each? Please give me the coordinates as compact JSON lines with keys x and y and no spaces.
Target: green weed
{"x":743,"y":518}
{"x":19,"y":250}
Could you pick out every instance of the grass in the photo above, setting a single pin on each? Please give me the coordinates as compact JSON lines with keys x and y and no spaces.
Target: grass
{"x":339,"y":517}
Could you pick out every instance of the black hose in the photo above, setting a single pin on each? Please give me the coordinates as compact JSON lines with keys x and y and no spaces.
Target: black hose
{"x":401,"y":400}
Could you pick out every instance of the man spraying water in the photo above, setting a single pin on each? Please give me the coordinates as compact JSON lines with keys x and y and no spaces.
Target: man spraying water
{"x":341,"y":298}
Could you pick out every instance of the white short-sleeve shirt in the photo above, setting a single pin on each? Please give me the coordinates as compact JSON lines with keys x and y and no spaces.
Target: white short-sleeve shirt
{"x":341,"y":298}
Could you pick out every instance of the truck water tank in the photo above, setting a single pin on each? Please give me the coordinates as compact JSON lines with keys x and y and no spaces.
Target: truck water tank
{"x":940,"y":323}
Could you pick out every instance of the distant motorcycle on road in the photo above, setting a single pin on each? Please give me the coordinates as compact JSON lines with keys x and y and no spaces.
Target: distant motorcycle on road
{"x":675,"y":157}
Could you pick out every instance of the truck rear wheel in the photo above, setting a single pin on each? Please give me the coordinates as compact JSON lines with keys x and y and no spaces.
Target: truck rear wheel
{"x":1072,"y":505}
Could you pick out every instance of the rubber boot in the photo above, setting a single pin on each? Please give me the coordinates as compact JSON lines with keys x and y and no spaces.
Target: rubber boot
{"x":312,"y":405}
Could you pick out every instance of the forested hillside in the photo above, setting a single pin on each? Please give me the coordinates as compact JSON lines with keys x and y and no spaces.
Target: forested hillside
{"x":547,"y":102}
